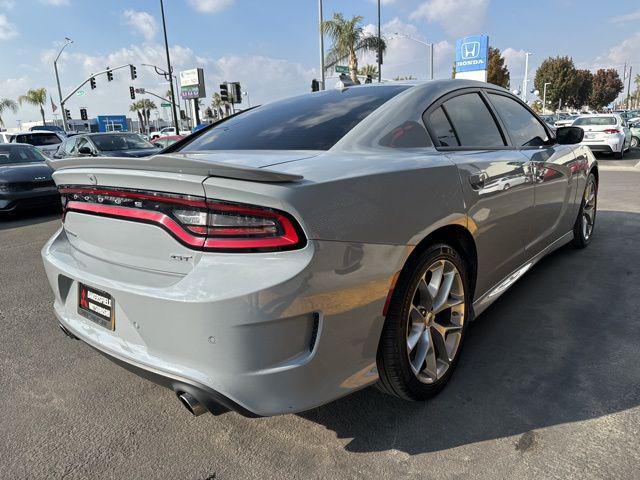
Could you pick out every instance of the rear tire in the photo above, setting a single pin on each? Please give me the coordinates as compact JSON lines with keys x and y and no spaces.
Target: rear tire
{"x":417,"y":325}
{"x":586,"y":221}
{"x":635,"y":141}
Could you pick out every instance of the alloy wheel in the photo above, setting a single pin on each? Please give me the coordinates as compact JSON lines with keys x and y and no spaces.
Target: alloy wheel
{"x":436,"y":320}
{"x":589,"y":209}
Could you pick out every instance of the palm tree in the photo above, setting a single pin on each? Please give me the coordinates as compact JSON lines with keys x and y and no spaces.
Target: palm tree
{"x":7,"y":104}
{"x":135,"y":107}
{"x":146,"y":106}
{"x":370,"y":70}
{"x":217,"y":104}
{"x":36,"y":97}
{"x":348,"y":38}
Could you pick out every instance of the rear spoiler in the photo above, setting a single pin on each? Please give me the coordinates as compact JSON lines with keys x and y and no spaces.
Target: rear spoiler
{"x":176,"y":164}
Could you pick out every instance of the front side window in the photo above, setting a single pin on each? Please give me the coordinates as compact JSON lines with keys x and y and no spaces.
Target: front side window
{"x":525,"y":130}
{"x":68,"y":146}
{"x":473,"y":123}
{"x":308,"y":122}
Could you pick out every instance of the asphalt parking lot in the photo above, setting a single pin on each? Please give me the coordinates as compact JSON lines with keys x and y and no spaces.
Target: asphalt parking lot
{"x":548,"y":386}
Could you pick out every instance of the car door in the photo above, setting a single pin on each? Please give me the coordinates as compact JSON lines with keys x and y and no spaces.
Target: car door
{"x":495,"y":180}
{"x":553,"y":171}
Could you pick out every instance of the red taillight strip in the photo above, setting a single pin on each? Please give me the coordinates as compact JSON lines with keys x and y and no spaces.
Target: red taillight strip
{"x":147,"y":216}
{"x":165,"y":198}
{"x":290,"y":237}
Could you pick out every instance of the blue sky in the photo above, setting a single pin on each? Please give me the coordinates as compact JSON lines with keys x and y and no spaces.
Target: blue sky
{"x":272,"y":46}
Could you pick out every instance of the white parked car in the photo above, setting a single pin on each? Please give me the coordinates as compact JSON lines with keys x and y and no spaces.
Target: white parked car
{"x":163,"y":132}
{"x":607,"y":133}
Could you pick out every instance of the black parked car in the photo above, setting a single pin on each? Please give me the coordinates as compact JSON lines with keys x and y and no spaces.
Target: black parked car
{"x":117,"y":144}
{"x":25,"y":179}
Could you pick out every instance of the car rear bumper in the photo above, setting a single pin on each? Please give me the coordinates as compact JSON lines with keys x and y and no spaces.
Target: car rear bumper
{"x":262,"y":334}
{"x":613,"y":145}
{"x":11,"y":201}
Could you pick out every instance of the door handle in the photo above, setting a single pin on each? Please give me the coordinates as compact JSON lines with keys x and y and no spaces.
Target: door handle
{"x":477,"y":179}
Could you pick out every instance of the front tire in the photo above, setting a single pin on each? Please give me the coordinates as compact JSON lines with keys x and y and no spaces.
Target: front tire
{"x":635,"y":141}
{"x":586,"y":221}
{"x":424,"y":330}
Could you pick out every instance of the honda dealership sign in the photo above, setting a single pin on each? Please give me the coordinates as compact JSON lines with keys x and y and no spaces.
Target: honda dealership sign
{"x":472,"y":57}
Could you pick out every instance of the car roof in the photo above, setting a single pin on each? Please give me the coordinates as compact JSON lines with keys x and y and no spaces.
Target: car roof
{"x":33,"y":132}
{"x":98,"y":134}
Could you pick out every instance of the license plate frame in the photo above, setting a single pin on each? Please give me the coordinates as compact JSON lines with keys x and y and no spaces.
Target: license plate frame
{"x":97,"y":306}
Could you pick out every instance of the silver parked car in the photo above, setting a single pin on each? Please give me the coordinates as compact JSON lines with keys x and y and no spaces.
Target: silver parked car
{"x":310,"y":247}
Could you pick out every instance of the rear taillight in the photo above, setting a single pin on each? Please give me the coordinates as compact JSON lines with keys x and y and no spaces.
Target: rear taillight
{"x":611,"y":131}
{"x":195,"y":221}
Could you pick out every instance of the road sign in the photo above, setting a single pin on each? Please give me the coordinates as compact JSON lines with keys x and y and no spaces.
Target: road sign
{"x":80,"y":93}
{"x":140,"y":90}
{"x":165,"y":104}
{"x":342,"y":69}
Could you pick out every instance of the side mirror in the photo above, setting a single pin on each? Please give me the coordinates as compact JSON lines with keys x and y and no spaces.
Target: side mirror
{"x":85,"y":151}
{"x":569,"y":135}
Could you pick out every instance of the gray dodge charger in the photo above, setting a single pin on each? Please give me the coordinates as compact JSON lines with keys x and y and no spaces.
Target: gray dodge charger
{"x":299,"y":251}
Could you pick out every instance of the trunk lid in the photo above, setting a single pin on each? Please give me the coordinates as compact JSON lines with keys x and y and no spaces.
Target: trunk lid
{"x":140,"y":244}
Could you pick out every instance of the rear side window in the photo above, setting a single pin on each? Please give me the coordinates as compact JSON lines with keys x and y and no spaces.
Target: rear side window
{"x":525,"y":130}
{"x":307,"y":122}
{"x":443,"y":130}
{"x":473,"y":123}
{"x":68,"y":146}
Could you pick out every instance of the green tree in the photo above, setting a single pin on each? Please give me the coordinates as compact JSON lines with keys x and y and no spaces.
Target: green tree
{"x":348,"y":38}
{"x":136,"y":107}
{"x":405,"y":77}
{"x":36,"y":97}
{"x":453,"y":70}
{"x":7,"y":104}
{"x":497,"y":71}
{"x":369,"y":70}
{"x":605,"y":88}
{"x":581,"y":89}
{"x":560,"y":73}
{"x":218,"y":105}
{"x":146,"y":106}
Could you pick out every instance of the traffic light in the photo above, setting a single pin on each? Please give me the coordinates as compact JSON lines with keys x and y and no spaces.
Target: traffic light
{"x":67,"y":114}
{"x":83,"y":113}
{"x":379,"y":55}
{"x":109,"y":75}
{"x":183,"y":115}
{"x":93,"y":83}
{"x":237,"y":92}
{"x":224,"y":92}
{"x":132,"y":93}
{"x":134,"y":74}
{"x":315,"y":85}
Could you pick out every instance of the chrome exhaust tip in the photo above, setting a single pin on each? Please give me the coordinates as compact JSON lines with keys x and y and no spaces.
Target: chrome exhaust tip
{"x":192,"y":404}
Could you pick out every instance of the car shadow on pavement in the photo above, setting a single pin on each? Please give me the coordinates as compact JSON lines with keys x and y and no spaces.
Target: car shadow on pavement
{"x":29,"y":217}
{"x":560,"y":346}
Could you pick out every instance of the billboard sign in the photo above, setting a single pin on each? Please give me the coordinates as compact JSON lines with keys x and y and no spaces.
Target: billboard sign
{"x":472,"y":57}
{"x":112,"y":123}
{"x":192,"y":83}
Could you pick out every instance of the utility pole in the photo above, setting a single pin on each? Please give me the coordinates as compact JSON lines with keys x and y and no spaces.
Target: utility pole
{"x":176,"y":125}
{"x":320,"y":22}
{"x":629,"y":89}
{"x":379,"y":48}
{"x":67,"y":41}
{"x":526,"y":77}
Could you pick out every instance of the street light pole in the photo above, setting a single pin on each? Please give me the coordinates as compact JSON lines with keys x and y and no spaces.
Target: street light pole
{"x":173,"y":94}
{"x":544,"y":96}
{"x":379,"y":49}
{"x":67,"y":41}
{"x":246,"y":94}
{"x":428,"y":44}
{"x":526,"y":77}
{"x":320,"y":21}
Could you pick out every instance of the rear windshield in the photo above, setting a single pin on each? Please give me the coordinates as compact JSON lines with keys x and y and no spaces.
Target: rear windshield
{"x":595,"y":121}
{"x":11,"y":154}
{"x":115,"y":142}
{"x":38,"y":139}
{"x":307,"y":122}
